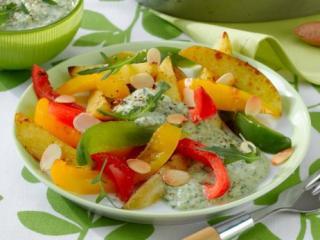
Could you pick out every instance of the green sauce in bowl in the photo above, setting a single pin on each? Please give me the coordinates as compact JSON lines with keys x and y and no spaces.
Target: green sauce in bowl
{"x":31,"y":14}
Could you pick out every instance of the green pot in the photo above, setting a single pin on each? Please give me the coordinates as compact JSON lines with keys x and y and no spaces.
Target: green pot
{"x":235,"y":10}
{"x":20,"y":49}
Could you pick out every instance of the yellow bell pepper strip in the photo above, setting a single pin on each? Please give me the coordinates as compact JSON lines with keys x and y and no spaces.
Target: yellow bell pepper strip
{"x":111,"y":136}
{"x":161,"y":146}
{"x":80,"y":83}
{"x":225,"y":97}
{"x":74,"y":179}
{"x":147,"y":194}
{"x":47,"y":121}
{"x":115,"y":86}
{"x":167,"y":74}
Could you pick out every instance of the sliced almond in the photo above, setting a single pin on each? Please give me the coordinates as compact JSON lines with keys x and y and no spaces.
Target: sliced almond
{"x":253,"y":106}
{"x":139,"y":166}
{"x":188,"y":97}
{"x":309,"y":32}
{"x":65,"y":99}
{"x":84,"y":121}
{"x":142,"y":80}
{"x":154,"y":56}
{"x":52,"y":153}
{"x":227,"y":79}
{"x":176,"y":118}
{"x":188,"y":82}
{"x":282,"y":156}
{"x":175,"y":178}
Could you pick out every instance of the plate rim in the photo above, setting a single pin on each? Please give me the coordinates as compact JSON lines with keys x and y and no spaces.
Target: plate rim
{"x":135,"y":215}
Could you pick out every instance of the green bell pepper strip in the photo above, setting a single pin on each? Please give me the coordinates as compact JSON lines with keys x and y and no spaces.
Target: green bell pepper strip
{"x":111,"y":136}
{"x":263,"y":137}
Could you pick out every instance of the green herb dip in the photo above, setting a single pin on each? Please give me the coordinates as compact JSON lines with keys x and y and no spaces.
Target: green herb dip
{"x":30,"y":14}
{"x":244,"y":177}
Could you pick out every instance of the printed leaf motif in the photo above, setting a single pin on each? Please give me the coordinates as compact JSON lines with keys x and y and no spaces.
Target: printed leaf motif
{"x":218,"y":219}
{"x":11,"y":79}
{"x":316,"y":87}
{"x":68,"y":209}
{"x":272,"y":197}
{"x":27,"y":175}
{"x":103,"y":222}
{"x":315,"y":120}
{"x":158,"y":27}
{"x":105,"y":38}
{"x":96,"y":21}
{"x":131,"y":231}
{"x":46,"y":223}
{"x":303,"y":227}
{"x":1,"y":197}
{"x":314,"y":167}
{"x":315,"y":226}
{"x":258,"y":232}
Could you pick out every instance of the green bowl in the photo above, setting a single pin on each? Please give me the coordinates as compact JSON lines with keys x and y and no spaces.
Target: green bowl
{"x":294,"y":123}
{"x":20,"y":49}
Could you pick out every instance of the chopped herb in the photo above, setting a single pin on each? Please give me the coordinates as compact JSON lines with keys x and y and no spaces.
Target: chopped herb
{"x":102,"y":194}
{"x":24,"y":8}
{"x":113,"y":68}
{"x":94,"y":69}
{"x":6,"y":11}
{"x":51,"y":2}
{"x":232,"y":154}
{"x":151,"y":104}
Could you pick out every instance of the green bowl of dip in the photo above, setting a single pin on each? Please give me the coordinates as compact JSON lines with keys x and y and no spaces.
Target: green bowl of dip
{"x":25,"y":41}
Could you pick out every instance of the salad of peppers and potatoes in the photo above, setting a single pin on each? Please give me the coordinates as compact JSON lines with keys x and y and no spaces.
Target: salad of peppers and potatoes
{"x":138,"y":128}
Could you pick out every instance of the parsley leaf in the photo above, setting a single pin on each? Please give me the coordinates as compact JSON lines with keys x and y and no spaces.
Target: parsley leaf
{"x":151,"y":104}
{"x":113,"y":68}
{"x":51,"y":2}
{"x":233,"y":154}
{"x":99,"y":179}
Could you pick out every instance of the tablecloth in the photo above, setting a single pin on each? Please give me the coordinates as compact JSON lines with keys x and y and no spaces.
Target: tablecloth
{"x":29,"y":210}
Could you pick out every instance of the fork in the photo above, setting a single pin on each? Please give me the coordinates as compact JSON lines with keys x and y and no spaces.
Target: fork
{"x":301,"y":198}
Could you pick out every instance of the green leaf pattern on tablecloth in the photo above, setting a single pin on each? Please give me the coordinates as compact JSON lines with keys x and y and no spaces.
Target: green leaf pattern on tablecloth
{"x":158,"y":27}
{"x":27,"y":175}
{"x":131,"y":231}
{"x":11,"y":79}
{"x":315,"y":120}
{"x":77,"y":220}
{"x":46,"y":223}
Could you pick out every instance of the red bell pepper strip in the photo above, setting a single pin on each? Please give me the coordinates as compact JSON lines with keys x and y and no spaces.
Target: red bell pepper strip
{"x":43,"y":88}
{"x":192,"y":149}
{"x":118,"y":171}
{"x":41,"y":84}
{"x":63,"y":112}
{"x":204,"y":106}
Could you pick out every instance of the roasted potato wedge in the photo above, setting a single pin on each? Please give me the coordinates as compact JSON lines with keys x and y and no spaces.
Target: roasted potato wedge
{"x":98,"y":101}
{"x":74,"y":70}
{"x":36,"y":139}
{"x":247,"y":77}
{"x":147,"y":194}
{"x":179,"y":73}
{"x":167,"y":74}
{"x":225,"y":45}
